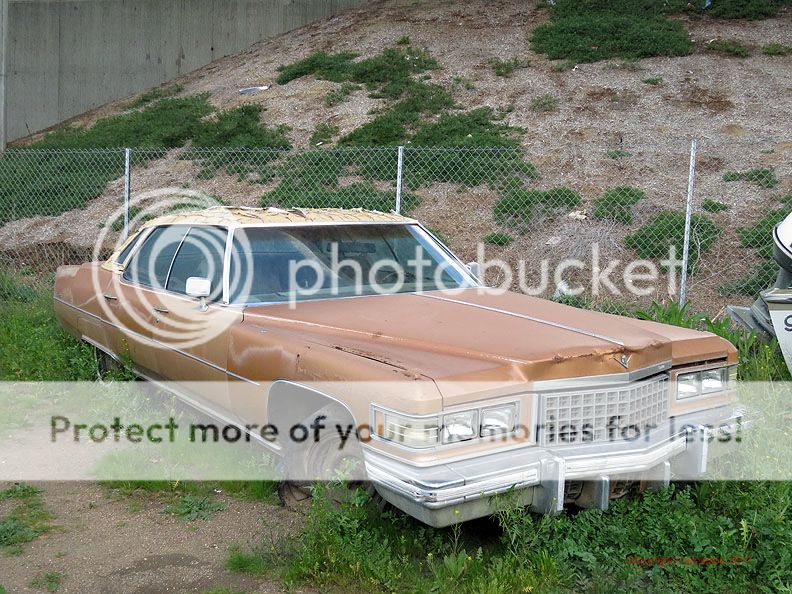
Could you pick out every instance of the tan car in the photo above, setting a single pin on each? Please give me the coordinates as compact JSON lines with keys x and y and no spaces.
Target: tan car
{"x":477,"y":392}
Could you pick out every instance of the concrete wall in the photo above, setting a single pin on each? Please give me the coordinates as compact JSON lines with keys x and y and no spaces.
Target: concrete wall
{"x":60,"y":58}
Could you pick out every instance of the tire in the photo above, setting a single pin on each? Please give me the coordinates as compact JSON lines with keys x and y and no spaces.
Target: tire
{"x":324,"y":458}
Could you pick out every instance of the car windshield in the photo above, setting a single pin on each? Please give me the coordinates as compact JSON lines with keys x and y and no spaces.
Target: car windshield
{"x":278,"y":264}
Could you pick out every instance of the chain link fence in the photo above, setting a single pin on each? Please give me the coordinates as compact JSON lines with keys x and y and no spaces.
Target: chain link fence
{"x":589,"y":209}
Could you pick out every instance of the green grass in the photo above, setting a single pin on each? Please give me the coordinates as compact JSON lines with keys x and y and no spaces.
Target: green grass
{"x":326,"y":66}
{"x":190,"y":508}
{"x":27,"y":520}
{"x":506,"y":68}
{"x":666,"y":229}
{"x":616,"y":204}
{"x":776,"y":49}
{"x":500,"y":239}
{"x":761,"y":175}
{"x":323,"y":134}
{"x":653,"y":81}
{"x":49,"y":582}
{"x":518,"y":207}
{"x":34,"y":348}
{"x":595,"y":30}
{"x":544,"y":103}
{"x":710,"y":205}
{"x":729,"y":47}
{"x":339,"y":95}
{"x":155,"y":95}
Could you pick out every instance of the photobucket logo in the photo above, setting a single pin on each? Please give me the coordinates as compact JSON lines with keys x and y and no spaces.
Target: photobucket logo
{"x":147,"y":293}
{"x":371,"y":275}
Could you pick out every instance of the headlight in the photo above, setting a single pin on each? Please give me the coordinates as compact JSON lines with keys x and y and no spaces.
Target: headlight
{"x":498,"y":419}
{"x":414,"y":432}
{"x":460,"y":426}
{"x":452,"y":427}
{"x":706,"y":381}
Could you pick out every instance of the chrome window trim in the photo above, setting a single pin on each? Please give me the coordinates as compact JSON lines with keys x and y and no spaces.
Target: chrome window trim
{"x":138,"y":239}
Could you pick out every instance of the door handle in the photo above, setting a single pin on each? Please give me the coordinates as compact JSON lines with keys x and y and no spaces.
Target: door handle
{"x":161,"y":310}
{"x":110,"y":297}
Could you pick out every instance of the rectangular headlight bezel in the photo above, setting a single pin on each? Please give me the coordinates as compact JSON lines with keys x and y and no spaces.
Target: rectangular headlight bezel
{"x":705,"y":381}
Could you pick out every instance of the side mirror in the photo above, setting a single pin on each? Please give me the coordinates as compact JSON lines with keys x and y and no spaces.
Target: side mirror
{"x":198,"y":286}
{"x":475,"y":270}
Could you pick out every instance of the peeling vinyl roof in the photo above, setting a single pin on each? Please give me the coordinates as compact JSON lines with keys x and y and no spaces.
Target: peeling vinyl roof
{"x":237,"y":216}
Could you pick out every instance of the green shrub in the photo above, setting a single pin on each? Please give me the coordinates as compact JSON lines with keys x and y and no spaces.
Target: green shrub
{"x":544,"y":103}
{"x":776,"y":49}
{"x":339,"y":95}
{"x":654,"y":80}
{"x":666,"y":229}
{"x":518,"y":206}
{"x":507,"y":67}
{"x":501,"y":239}
{"x":323,"y":134}
{"x":743,"y":9}
{"x":326,"y":66}
{"x":590,"y":37}
{"x":403,"y":40}
{"x":729,"y":47}
{"x":759,"y":237}
{"x":762,"y":176}
{"x":616,"y":203}
{"x":710,"y":205}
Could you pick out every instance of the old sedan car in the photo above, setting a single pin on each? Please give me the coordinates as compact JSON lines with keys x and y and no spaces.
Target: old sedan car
{"x":484,"y":392}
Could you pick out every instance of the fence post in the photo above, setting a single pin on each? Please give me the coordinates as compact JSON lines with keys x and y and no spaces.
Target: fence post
{"x":127,"y":188}
{"x":688,"y":217}
{"x":399,"y":166}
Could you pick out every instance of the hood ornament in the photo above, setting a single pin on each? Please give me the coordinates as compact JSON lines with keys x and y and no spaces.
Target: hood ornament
{"x":624,"y":360}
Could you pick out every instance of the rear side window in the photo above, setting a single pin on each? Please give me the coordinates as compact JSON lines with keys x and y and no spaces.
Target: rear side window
{"x":128,"y":249}
{"x":150,"y":265}
{"x":200,"y":254}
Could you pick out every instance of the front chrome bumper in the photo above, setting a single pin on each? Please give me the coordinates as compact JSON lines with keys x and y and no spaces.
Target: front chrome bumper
{"x":447,"y":493}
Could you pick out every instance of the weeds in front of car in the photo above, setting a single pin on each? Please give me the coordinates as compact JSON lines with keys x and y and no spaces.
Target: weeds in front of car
{"x":25,"y":521}
{"x":194,"y":507}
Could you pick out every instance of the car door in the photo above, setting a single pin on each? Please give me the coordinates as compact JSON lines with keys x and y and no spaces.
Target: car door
{"x":194,"y":339}
{"x":131,"y":297}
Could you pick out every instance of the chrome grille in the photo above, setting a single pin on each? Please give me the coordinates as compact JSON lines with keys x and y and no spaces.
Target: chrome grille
{"x":604,"y":414}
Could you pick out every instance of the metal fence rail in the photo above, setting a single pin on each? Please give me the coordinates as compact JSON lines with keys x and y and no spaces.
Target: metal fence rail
{"x":587,"y":206}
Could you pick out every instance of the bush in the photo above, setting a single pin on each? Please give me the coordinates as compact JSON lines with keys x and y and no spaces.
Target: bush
{"x":323,"y":134}
{"x":326,"y":66}
{"x":518,"y":206}
{"x":655,"y":238}
{"x":743,"y":9}
{"x":710,"y":205}
{"x":653,"y":81}
{"x":600,"y":36}
{"x":617,"y":204}
{"x":762,"y":176}
{"x":501,"y":239}
{"x":544,"y":103}
{"x":776,"y":49}
{"x":729,"y":47}
{"x":507,"y":67}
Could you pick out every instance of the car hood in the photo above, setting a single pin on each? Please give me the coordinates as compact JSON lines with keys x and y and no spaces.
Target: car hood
{"x":473,"y":335}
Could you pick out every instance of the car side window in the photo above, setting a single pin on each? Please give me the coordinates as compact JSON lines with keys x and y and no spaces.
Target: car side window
{"x":122,"y":257}
{"x":200,"y":254}
{"x":150,"y":265}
